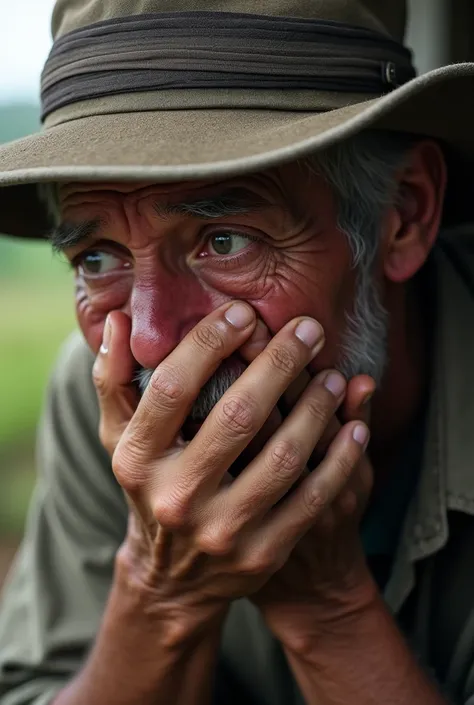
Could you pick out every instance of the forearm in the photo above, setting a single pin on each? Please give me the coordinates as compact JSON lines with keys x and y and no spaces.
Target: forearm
{"x":365,"y":661}
{"x":143,"y":658}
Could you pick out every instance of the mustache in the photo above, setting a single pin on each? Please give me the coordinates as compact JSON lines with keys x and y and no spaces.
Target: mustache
{"x":210,"y":394}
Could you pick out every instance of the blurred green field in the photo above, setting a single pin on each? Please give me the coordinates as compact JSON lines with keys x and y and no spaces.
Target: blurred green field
{"x":36,"y":314}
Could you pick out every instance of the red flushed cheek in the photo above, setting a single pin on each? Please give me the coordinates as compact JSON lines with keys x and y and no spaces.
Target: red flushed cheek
{"x":163,"y":310}
{"x":276,"y":311}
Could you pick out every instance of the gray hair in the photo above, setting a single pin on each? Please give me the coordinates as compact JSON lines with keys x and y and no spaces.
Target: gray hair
{"x":362,"y":173}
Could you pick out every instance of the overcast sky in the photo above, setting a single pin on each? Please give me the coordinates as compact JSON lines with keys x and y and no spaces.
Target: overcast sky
{"x":24,"y":45}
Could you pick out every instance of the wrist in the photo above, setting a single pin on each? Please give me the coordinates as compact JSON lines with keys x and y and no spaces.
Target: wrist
{"x":146,"y":652}
{"x":359,"y":658}
{"x":176,"y":621}
{"x":303,"y":626}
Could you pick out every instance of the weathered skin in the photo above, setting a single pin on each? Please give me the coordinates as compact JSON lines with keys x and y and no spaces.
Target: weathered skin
{"x":300,"y":264}
{"x":196,"y":538}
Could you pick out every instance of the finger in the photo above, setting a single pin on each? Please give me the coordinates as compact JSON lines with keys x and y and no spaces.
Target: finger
{"x":177,"y":381}
{"x":257,"y":342}
{"x":252,"y":349}
{"x":271,"y":474}
{"x":113,"y":379}
{"x":355,"y":407}
{"x":244,"y":408}
{"x":360,"y":390}
{"x":302,"y":509}
{"x":257,"y":443}
{"x":294,"y":392}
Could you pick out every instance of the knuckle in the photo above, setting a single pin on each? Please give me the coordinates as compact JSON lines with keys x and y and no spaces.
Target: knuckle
{"x":207,"y":337}
{"x":168,"y":389}
{"x":319,"y":409}
{"x":126,"y":472}
{"x":284,"y":359}
{"x":237,"y":415}
{"x":348,"y":503}
{"x":285,"y":458}
{"x":258,"y":563}
{"x":315,"y":500}
{"x":172,"y":511}
{"x":344,"y":466}
{"x":216,"y":541}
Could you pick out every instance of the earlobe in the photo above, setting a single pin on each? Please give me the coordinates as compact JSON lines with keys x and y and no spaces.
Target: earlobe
{"x":415,"y":219}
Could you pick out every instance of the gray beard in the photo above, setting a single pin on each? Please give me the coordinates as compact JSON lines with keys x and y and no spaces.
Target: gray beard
{"x":210,"y":394}
{"x":364,"y":346}
{"x":363,"y":350}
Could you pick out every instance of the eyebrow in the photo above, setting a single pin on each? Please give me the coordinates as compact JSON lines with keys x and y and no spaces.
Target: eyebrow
{"x":233,"y":202}
{"x":67,"y":234}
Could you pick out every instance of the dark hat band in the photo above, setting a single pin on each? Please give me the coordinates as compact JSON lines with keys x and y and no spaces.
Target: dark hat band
{"x":188,"y":50}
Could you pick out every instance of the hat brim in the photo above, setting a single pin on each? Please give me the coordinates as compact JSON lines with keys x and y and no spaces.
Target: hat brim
{"x":180,"y":145}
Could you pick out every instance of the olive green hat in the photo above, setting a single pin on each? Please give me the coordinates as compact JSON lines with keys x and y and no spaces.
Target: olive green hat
{"x":167,"y":90}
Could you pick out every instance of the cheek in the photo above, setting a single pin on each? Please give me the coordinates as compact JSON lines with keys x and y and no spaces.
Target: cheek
{"x":94,"y":302}
{"x":316,"y":294}
{"x":154,"y":309}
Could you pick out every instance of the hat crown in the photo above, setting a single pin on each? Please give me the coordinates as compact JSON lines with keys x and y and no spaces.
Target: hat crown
{"x":388,"y":16}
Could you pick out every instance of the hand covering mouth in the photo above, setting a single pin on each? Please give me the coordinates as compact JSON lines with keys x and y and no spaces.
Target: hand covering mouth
{"x":217,"y":385}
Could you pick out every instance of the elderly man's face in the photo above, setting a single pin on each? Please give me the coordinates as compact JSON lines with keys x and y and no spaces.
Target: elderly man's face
{"x":167,"y":255}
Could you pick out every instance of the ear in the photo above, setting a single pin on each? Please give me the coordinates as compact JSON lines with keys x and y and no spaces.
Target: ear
{"x":413,"y":223}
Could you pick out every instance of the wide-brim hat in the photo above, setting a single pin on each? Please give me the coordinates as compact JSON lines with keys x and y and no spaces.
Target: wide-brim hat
{"x":178,"y":90}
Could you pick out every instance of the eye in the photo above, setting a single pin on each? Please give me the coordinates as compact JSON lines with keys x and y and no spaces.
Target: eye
{"x":227,"y":243}
{"x":99,"y":262}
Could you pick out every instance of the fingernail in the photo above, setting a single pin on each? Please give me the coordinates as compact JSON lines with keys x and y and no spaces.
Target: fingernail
{"x":104,"y":348}
{"x":309,"y":332}
{"x":335,"y":383}
{"x":361,"y":435}
{"x":239,"y":315}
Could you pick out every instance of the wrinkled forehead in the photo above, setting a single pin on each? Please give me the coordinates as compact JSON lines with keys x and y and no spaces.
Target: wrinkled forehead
{"x":280,"y":186}
{"x":71,"y":188}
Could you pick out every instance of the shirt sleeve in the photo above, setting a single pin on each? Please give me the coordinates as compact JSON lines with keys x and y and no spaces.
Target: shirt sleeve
{"x":57,"y":588}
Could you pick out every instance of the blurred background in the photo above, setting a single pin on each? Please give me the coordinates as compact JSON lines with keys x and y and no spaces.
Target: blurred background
{"x":36,"y":302}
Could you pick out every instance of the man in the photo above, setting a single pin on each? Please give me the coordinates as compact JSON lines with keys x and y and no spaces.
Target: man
{"x":252,"y":206}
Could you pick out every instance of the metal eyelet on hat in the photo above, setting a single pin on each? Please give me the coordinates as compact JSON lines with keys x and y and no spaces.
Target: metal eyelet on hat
{"x":389,"y":74}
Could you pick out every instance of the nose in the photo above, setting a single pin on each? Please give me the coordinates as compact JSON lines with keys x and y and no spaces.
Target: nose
{"x":163,"y":310}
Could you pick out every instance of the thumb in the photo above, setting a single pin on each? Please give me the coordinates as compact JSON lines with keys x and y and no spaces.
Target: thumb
{"x":113,"y":379}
